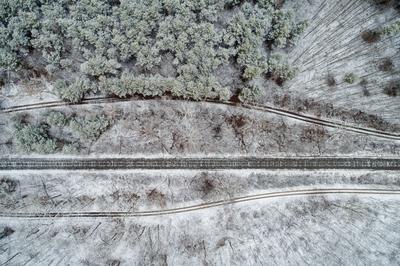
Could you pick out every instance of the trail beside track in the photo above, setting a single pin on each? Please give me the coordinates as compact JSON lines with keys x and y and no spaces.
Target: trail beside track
{"x":200,"y":163}
{"x":198,"y":207}
{"x":264,"y":108}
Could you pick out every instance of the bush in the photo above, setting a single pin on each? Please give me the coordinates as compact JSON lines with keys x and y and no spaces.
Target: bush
{"x":49,"y":37}
{"x":281,"y":28}
{"x":18,"y":20}
{"x":296,"y":32}
{"x":200,"y":89}
{"x":8,"y":59}
{"x":386,"y":65}
{"x":90,"y":127}
{"x":70,"y":149}
{"x":99,"y":65}
{"x":371,"y":36}
{"x":330,"y":80}
{"x":148,"y":57}
{"x":278,"y":70}
{"x":382,"y":2}
{"x":251,"y":72}
{"x":56,"y":118}
{"x":250,"y":94}
{"x":393,"y":89}
{"x":245,"y":35}
{"x":350,"y":78}
{"x":34,"y":138}
{"x":391,"y":30}
{"x":129,"y":85}
{"x":75,"y":91}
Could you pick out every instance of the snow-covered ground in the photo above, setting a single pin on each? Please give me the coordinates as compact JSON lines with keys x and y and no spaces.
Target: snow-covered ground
{"x":332,"y":45}
{"x":347,"y":229}
{"x":180,"y":128}
{"x":317,"y":230}
{"x":53,"y":191}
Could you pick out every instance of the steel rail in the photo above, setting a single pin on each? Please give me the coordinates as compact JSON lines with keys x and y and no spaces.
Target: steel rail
{"x":211,"y":163}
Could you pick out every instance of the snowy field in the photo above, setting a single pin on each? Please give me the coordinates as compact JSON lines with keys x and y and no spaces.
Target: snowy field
{"x":347,"y":229}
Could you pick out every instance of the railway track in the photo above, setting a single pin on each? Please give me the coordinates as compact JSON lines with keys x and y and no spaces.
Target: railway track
{"x":200,"y":163}
{"x":277,"y":111}
{"x":268,"y":195}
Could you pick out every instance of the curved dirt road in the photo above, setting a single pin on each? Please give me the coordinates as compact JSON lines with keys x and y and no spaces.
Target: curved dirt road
{"x":267,"y":195}
{"x":277,"y":111}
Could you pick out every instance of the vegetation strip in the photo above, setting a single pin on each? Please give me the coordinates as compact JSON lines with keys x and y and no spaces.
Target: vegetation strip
{"x":277,"y":111}
{"x":199,"y":163}
{"x":267,"y":195}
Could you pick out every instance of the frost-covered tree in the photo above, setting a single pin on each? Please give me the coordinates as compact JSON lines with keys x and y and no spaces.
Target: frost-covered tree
{"x":92,"y":43}
{"x":245,"y":35}
{"x":70,"y":149}
{"x":18,"y":19}
{"x":73,"y":91}
{"x":90,"y":127}
{"x":250,"y":94}
{"x":350,"y":78}
{"x":34,"y":138}
{"x":56,"y":118}
{"x":284,"y":31}
{"x":100,"y":65}
{"x":391,"y":30}
{"x":278,"y":69}
{"x":393,"y":89}
{"x":281,"y":28}
{"x":49,"y":37}
{"x":129,"y":85}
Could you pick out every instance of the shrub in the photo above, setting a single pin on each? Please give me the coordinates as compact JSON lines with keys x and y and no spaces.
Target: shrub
{"x":296,"y":32}
{"x":281,"y":28}
{"x":382,"y":2}
{"x":200,"y":89}
{"x":251,"y":72}
{"x":250,"y":94}
{"x":70,"y":149}
{"x":8,"y":59}
{"x":386,"y":65}
{"x":370,"y":36}
{"x":7,"y":231}
{"x":90,"y":127}
{"x":331,"y":81}
{"x":278,"y":70}
{"x":391,"y":30}
{"x":148,"y":57}
{"x":56,"y":118}
{"x":364,"y":86}
{"x":99,"y":65}
{"x":267,"y":4}
{"x":34,"y":138}
{"x":18,"y":19}
{"x":7,"y":186}
{"x":75,"y":91}
{"x":350,"y":78}
{"x":224,"y":94}
{"x":49,"y":37}
{"x":129,"y":85}
{"x":393,"y":89}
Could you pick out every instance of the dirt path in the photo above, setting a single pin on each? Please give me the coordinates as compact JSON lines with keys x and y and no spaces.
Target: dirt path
{"x":277,"y":111}
{"x":267,"y":195}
